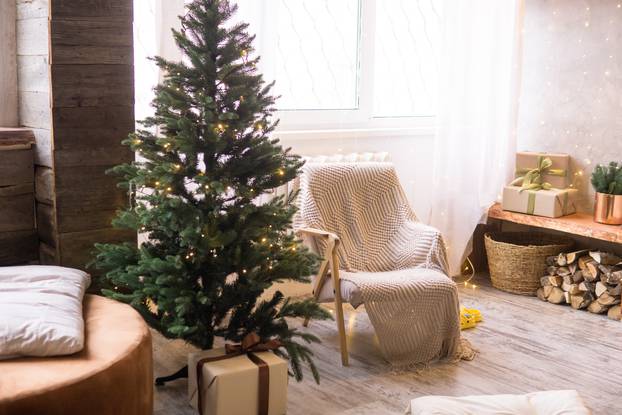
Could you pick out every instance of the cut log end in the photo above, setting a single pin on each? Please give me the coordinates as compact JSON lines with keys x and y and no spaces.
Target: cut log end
{"x":556,"y":296}
{"x":615,"y":313}
{"x":597,"y":308}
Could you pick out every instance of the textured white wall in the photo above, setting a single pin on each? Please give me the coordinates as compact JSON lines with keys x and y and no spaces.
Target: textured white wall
{"x":571,"y":98}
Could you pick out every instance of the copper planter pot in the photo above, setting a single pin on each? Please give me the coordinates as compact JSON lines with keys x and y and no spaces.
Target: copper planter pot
{"x":608,"y":209}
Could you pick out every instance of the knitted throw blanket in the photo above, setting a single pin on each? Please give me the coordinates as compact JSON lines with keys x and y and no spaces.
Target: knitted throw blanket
{"x":398,"y":263}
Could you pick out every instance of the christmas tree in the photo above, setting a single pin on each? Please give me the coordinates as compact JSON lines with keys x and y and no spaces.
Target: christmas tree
{"x":204,"y":158}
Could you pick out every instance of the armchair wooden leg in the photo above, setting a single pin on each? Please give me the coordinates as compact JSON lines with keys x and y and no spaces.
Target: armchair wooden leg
{"x":322,"y":273}
{"x":339,"y":310}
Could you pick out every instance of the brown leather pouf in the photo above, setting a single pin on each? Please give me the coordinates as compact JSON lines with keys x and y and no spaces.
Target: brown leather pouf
{"x":112,"y":375}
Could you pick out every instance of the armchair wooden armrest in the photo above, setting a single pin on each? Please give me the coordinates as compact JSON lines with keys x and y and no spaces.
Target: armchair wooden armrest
{"x":317,"y":232}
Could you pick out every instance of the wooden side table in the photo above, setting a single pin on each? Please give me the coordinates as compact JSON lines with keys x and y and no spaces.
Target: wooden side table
{"x":580,"y":224}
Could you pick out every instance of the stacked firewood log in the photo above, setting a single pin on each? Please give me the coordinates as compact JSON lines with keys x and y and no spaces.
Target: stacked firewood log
{"x":589,"y":280}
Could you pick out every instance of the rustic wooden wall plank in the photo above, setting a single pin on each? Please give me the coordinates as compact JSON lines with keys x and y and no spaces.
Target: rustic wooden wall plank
{"x":18,"y":247}
{"x":46,"y":224}
{"x":16,"y":166}
{"x":90,"y":85}
{"x":77,"y":247}
{"x":8,"y":68}
{"x":92,"y":41}
{"x":48,"y":255}
{"x":91,"y":8}
{"x":80,"y":210}
{"x":17,"y":207}
{"x":75,"y":61}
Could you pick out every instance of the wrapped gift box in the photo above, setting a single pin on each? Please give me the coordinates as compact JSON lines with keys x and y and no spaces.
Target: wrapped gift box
{"x":552,"y":203}
{"x":231,"y":386}
{"x":558,"y":175}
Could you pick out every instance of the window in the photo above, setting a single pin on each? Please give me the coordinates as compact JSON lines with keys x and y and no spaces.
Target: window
{"x":348,"y":63}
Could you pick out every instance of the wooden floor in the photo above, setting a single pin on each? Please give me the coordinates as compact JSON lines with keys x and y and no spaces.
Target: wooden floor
{"x":525,"y":345}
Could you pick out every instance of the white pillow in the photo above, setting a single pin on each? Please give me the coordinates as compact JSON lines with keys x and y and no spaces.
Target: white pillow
{"x":537,"y":403}
{"x":41,"y":310}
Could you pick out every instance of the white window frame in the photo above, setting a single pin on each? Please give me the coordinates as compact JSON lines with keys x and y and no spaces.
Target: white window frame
{"x":356,"y":122}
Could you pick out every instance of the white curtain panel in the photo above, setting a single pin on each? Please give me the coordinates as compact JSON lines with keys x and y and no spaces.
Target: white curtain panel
{"x":476,"y":131}
{"x":153,"y":20}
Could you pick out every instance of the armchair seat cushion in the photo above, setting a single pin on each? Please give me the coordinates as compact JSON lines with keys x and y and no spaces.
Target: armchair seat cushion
{"x":351,"y":293}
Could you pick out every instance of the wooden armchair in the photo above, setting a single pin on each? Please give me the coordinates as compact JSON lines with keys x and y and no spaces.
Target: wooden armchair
{"x":378,"y":254}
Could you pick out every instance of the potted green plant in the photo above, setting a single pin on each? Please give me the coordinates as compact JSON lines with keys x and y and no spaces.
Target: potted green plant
{"x":607,"y":182}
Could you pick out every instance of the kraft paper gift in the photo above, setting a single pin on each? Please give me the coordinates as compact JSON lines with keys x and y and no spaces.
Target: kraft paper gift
{"x":557,"y":174}
{"x":231,"y":384}
{"x":552,"y":203}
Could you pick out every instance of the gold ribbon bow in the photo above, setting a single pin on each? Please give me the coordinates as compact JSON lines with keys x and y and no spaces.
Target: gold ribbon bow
{"x":250,"y":343}
{"x":532,"y":179}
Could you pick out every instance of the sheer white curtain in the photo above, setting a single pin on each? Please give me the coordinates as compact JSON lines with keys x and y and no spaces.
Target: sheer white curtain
{"x":478,"y":101}
{"x":153,"y":20}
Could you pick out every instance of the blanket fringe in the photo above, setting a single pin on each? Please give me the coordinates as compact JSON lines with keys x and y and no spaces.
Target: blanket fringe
{"x":465,"y":351}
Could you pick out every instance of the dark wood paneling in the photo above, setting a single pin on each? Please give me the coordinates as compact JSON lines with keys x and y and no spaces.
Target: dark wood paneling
{"x":11,"y":136}
{"x":97,"y":41}
{"x":71,"y":136}
{"x":77,"y":247}
{"x":87,"y":198}
{"x":92,"y":85}
{"x":48,"y":255}
{"x":17,"y":205}
{"x":91,"y":8}
{"x":92,"y":135}
{"x":46,"y":224}
{"x":18,"y":247}
{"x":16,"y":166}
{"x":120,"y":117}
{"x":92,"y":90}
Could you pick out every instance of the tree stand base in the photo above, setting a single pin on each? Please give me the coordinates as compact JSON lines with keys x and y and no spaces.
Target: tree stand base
{"x":181,"y":373}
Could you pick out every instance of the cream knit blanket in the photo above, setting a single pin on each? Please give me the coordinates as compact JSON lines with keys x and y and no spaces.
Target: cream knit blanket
{"x":398,"y":263}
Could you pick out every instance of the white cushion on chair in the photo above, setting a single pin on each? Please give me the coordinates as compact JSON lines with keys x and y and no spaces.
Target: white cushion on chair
{"x":562,"y":402}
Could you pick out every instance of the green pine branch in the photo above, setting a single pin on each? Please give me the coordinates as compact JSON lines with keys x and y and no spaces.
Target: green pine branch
{"x":607,"y":179}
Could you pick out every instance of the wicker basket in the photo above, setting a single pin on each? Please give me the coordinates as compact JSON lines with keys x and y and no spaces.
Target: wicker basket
{"x":517,"y":260}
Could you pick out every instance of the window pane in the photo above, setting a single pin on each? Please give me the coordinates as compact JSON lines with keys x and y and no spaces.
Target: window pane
{"x":406,"y":58}
{"x":310,"y":47}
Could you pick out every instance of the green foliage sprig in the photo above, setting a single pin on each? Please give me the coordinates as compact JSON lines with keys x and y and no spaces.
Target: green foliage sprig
{"x":608,"y":179}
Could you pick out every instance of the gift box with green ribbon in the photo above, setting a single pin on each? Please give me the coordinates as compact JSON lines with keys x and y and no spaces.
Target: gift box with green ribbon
{"x":541,"y":202}
{"x":549,"y":169}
